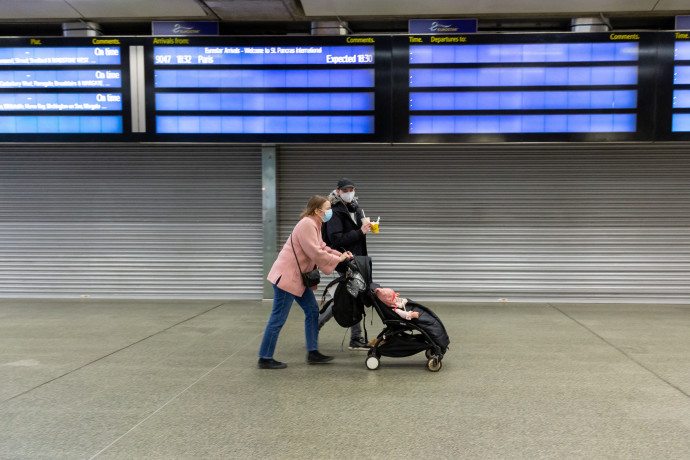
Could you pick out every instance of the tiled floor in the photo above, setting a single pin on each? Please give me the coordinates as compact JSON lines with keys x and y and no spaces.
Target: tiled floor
{"x":178,"y":380}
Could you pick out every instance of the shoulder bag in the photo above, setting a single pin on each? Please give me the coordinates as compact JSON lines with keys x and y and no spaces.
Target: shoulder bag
{"x":311,"y":278}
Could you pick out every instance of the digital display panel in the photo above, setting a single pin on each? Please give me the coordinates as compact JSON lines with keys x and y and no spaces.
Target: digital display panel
{"x":524,"y":100}
{"x":59,"y":87}
{"x":252,"y":55}
{"x":519,"y":87}
{"x":431,"y":88}
{"x":680,"y":111}
{"x":473,"y":124}
{"x":532,"y":76}
{"x":67,"y":55}
{"x":286,"y":88}
{"x":533,"y":53}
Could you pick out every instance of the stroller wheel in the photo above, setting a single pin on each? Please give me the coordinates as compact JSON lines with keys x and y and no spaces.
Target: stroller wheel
{"x":429,"y":353}
{"x":434,"y":365}
{"x":372,"y":363}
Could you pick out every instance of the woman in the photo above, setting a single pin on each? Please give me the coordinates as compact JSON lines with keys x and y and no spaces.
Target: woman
{"x":285,"y":275}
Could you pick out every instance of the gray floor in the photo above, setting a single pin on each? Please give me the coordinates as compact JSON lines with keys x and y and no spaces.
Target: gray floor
{"x":178,"y":380}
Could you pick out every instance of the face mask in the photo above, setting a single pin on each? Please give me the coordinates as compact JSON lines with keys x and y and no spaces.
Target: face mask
{"x":347,"y":197}
{"x":327,"y":216}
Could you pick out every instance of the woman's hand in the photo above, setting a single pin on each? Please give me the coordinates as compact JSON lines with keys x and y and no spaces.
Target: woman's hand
{"x":346,"y":255}
{"x":366,"y":226}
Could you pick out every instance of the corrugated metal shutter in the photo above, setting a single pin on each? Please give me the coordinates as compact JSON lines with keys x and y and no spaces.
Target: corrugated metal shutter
{"x":548,"y":222}
{"x":130,"y":221}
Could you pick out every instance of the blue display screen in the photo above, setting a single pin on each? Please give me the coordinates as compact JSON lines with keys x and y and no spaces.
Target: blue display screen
{"x":50,"y":89}
{"x":308,"y":78}
{"x":680,"y":122}
{"x":526,"y":76}
{"x":268,"y":55}
{"x":42,"y":102}
{"x":98,"y":55}
{"x":264,"y":101}
{"x":536,"y":53}
{"x":682,"y":51}
{"x":337,"y":81}
{"x":681,"y":99}
{"x":265,"y":124}
{"x":54,"y":79}
{"x":447,"y":78}
{"x":495,"y":124}
{"x":524,"y":100}
{"x":681,"y":75}
{"x":61,"y":125}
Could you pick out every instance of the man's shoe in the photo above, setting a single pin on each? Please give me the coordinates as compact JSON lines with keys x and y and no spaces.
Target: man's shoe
{"x":358,"y":344}
{"x":314,"y":357}
{"x":271,"y":364}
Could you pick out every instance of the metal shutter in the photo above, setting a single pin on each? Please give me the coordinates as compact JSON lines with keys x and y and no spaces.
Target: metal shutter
{"x":130,"y":221}
{"x":546,"y":222}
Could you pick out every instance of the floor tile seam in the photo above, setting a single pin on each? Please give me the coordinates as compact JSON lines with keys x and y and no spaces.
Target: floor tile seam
{"x":111,"y":353}
{"x":175,"y":397}
{"x":621,"y":351}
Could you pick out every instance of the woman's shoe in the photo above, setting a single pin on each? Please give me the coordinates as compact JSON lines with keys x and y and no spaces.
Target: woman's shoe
{"x":271,"y":364}
{"x":314,"y":357}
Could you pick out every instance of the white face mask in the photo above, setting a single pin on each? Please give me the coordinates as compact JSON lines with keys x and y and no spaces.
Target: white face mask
{"x":348,"y":197}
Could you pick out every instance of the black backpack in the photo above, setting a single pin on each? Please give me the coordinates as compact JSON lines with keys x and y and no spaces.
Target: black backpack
{"x":348,"y":310}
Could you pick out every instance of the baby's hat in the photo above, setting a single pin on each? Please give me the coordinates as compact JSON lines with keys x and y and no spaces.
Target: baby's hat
{"x":386,"y":296}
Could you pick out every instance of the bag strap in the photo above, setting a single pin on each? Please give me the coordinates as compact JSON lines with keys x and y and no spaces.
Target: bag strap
{"x":335,"y":281}
{"x":292,"y":245}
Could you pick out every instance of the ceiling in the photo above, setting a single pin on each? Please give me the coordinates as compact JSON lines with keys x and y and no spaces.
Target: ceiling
{"x":284,"y":16}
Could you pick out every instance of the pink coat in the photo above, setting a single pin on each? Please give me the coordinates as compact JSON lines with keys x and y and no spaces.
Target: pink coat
{"x":311,"y":251}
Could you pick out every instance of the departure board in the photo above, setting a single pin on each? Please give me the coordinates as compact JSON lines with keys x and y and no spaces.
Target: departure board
{"x":269,"y":89}
{"x":520,"y":87}
{"x":57,"y":87}
{"x":680,"y":118}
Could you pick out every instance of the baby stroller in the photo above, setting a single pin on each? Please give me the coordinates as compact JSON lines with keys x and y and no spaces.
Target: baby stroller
{"x":399,"y":337}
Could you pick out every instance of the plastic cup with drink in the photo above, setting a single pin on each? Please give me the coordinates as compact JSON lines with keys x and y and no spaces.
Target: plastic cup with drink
{"x":374,"y":225}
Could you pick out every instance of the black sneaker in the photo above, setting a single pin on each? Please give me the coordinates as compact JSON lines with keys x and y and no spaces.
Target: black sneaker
{"x":358,"y":344}
{"x":270,"y":364}
{"x":314,"y":357}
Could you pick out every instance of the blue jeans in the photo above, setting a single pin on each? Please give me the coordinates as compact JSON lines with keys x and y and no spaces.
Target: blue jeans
{"x":282,"y":301}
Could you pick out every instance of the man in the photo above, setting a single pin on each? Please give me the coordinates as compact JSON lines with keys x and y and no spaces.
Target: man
{"x":345,"y":231}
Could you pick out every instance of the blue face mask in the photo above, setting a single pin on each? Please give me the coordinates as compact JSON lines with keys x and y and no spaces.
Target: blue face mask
{"x":328,"y":215}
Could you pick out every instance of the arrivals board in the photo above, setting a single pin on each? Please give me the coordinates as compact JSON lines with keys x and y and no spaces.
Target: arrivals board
{"x":522,"y":87}
{"x":60,"y":88}
{"x":269,"y":88}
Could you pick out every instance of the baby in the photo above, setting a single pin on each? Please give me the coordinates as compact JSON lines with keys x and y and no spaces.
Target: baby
{"x":397,"y":303}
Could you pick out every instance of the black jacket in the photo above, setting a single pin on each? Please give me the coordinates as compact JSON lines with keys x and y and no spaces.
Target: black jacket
{"x":343,"y":233}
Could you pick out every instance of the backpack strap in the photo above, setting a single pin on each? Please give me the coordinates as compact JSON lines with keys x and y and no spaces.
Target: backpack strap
{"x":335,"y":281}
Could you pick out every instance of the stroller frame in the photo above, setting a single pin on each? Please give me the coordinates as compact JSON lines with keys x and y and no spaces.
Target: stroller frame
{"x":414,"y":338}
{"x":399,"y":338}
